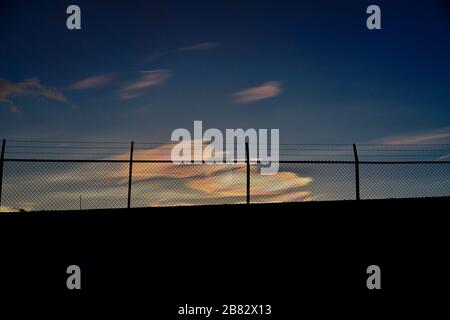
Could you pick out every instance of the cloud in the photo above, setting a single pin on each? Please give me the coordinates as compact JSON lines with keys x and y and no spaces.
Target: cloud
{"x":232,"y":182}
{"x":200,"y":46}
{"x":9,"y":209}
{"x":29,"y":87}
{"x":439,"y":135}
{"x":93,"y":82}
{"x":154,"y":184}
{"x":167,"y":169}
{"x":148,"y":79}
{"x":264,"y":91}
{"x":210,"y":183}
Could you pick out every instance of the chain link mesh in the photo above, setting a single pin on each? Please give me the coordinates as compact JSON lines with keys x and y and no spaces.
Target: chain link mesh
{"x":404,"y":180}
{"x":63,"y":186}
{"x":168,"y":184}
{"x":93,"y":185}
{"x":76,"y":175}
{"x":312,"y":181}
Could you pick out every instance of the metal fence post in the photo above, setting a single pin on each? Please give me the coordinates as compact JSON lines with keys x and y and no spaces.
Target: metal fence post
{"x":130,"y":174}
{"x":355,"y":153}
{"x":2,"y":158}
{"x":247,"y":155}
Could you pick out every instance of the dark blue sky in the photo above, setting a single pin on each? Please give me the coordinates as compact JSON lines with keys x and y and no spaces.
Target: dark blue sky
{"x":140,"y":69}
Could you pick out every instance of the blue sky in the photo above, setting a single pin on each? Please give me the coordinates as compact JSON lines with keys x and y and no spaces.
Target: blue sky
{"x":140,"y":69}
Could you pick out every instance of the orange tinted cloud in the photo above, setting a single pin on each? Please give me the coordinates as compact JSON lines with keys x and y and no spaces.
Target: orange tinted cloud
{"x":216,"y":181}
{"x":103,"y":185}
{"x":232,"y":182}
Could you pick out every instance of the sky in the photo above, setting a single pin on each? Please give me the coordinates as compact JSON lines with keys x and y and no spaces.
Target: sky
{"x":137,"y":70}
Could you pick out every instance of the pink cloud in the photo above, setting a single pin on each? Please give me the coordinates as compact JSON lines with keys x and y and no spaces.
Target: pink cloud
{"x":427,"y":137}
{"x":148,"y":79}
{"x":93,"y":82}
{"x":264,"y":91}
{"x":202,"y":46}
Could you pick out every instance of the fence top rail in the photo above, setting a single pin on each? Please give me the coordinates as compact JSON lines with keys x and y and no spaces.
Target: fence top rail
{"x":119,"y":151}
{"x":224,"y":162}
{"x":111,"y":143}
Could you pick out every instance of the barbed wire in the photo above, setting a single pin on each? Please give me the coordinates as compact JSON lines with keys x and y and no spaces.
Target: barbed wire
{"x":162,"y":150}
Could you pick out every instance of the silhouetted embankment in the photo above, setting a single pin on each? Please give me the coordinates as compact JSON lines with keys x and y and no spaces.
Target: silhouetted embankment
{"x":285,"y":254}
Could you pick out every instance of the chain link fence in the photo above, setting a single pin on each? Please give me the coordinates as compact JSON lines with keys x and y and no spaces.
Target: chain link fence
{"x":80,"y":175}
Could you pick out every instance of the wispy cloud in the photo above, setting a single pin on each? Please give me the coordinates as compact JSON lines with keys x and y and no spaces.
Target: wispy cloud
{"x":147,"y":79}
{"x":438,"y":135}
{"x":264,"y":91}
{"x":201,"y":46}
{"x":93,"y":82}
{"x":29,"y":87}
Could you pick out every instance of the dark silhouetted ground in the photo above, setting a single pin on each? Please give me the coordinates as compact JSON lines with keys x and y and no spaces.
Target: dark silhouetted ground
{"x":295,"y":256}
